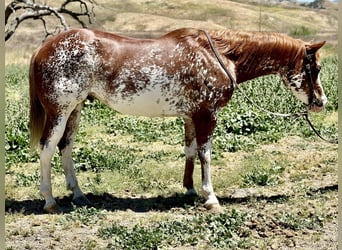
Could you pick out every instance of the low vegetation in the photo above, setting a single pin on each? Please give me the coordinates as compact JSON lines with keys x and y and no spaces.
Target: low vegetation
{"x":275,"y":179}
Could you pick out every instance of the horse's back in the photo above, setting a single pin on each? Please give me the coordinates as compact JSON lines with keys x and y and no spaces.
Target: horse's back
{"x":101,"y":42}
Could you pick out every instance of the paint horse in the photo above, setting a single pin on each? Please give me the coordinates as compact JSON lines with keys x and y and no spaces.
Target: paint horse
{"x":175,"y":75}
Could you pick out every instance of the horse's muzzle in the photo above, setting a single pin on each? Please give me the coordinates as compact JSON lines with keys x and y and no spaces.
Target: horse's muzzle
{"x":318,"y":105}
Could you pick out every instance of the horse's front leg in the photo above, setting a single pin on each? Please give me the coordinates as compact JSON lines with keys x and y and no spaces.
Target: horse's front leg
{"x":204,"y":153}
{"x":205,"y":124}
{"x":190,"y":150}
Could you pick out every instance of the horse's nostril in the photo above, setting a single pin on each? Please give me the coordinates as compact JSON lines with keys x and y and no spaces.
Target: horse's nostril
{"x":318,"y":103}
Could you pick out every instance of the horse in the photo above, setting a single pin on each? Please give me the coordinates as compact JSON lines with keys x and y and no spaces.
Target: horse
{"x":175,"y":75}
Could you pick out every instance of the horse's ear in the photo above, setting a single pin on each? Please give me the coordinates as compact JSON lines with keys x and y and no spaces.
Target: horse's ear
{"x":314,"y":47}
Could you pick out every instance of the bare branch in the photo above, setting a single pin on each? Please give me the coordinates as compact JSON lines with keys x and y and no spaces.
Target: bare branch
{"x":76,"y":15}
{"x":10,"y":9}
{"x":20,"y":10}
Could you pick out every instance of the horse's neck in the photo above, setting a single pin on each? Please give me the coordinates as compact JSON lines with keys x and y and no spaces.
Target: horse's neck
{"x":253,"y":58}
{"x":256,"y":66}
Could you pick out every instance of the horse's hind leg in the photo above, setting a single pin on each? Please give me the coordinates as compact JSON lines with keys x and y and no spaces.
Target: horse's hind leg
{"x":53,"y":131}
{"x":65,"y":146}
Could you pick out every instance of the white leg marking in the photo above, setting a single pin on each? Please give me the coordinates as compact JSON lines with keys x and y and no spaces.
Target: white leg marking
{"x":48,"y":150}
{"x":190,"y":151}
{"x":205,"y":156}
{"x":45,"y":176}
{"x":66,"y":153}
{"x":69,"y":171}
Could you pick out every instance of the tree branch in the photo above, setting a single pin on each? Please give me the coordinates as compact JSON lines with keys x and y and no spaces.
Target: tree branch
{"x":20,"y":10}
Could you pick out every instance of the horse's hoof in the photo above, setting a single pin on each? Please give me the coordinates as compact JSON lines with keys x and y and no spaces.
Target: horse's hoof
{"x":52,"y":208}
{"x":213,"y":208}
{"x":81,"y":201}
{"x":191,"y":192}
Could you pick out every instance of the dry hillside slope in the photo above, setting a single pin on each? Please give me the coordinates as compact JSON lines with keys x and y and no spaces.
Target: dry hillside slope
{"x":151,"y":18}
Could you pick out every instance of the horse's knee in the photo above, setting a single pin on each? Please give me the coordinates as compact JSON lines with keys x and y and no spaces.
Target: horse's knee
{"x":190,"y":149}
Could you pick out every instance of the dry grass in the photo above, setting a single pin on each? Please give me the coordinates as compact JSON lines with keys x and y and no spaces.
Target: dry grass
{"x":147,"y":18}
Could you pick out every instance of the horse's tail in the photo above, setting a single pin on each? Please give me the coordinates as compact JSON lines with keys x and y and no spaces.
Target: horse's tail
{"x":37,"y":112}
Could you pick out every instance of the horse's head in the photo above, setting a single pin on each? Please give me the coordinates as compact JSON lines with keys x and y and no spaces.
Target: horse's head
{"x":304,"y":81}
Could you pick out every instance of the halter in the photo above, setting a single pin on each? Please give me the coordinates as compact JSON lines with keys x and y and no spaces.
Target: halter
{"x":308,"y":59}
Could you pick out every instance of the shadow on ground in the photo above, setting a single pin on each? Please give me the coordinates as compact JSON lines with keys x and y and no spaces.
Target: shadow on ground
{"x":106,"y":201}
{"x":144,"y":204}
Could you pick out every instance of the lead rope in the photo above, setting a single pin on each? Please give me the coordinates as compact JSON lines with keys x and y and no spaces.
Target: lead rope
{"x":332,"y":141}
{"x":235,"y":85}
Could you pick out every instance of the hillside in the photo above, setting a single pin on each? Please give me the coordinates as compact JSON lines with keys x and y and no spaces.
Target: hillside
{"x":151,"y":18}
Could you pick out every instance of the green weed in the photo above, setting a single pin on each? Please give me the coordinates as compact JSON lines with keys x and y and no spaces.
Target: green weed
{"x":260,"y":177}
{"x":300,"y":221}
{"x":221,"y":231}
{"x":16,"y":117}
{"x":84,"y":215}
{"x":95,"y":156}
{"x":262,"y":171}
{"x":27,"y":180}
{"x":169,"y":131}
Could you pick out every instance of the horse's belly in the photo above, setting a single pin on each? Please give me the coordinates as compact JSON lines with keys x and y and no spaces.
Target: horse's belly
{"x":146,"y":103}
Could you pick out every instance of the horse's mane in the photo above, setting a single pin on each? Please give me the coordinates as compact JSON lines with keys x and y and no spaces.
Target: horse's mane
{"x":241,"y":46}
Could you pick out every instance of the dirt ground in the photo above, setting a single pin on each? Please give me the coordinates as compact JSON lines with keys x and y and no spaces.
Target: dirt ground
{"x":313,"y":197}
{"x":35,"y":230}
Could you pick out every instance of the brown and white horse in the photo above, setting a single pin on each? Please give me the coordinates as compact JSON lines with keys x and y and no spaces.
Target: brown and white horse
{"x":174,"y":75}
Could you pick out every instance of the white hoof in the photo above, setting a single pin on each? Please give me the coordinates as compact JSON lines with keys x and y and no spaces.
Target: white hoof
{"x":51,"y":207}
{"x":212,"y":203}
{"x":213,"y":207}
